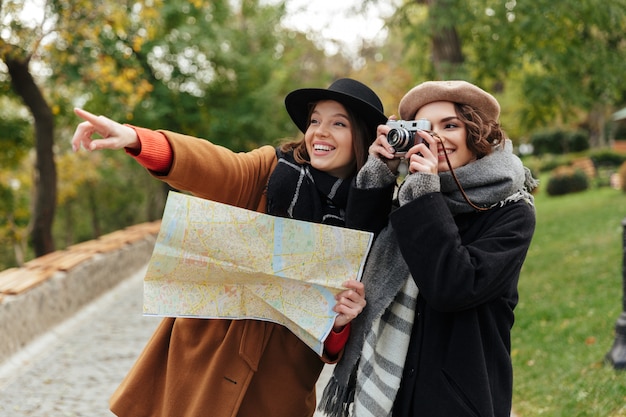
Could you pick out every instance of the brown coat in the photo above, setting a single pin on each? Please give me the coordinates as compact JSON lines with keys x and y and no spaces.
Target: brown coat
{"x":198,"y":367}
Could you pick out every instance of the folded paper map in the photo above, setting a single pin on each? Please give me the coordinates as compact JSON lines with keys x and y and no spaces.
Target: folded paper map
{"x":212,"y":260}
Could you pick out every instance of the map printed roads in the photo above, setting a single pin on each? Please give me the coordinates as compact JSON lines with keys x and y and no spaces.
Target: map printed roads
{"x":212,"y":260}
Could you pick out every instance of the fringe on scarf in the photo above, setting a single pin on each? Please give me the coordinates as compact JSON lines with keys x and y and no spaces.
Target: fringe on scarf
{"x":336,"y":399}
{"x":530,"y":182}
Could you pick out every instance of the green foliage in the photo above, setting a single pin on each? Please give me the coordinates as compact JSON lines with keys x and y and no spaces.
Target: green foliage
{"x":607,"y":158}
{"x":15,"y":134}
{"x":565,"y":180}
{"x":602,"y":159}
{"x":218,"y":70}
{"x":569,"y":52}
{"x":208,"y":69}
{"x":551,"y":62}
{"x":211,"y":69}
{"x":577,"y":141}
{"x":570,"y":297}
{"x":101,"y":192}
{"x":546,"y":163}
{"x":619,"y":131}
{"x":558,"y":142}
{"x":15,"y":216}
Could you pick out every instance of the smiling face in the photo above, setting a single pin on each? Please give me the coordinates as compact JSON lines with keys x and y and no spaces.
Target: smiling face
{"x":329,"y":139}
{"x":446,"y":123}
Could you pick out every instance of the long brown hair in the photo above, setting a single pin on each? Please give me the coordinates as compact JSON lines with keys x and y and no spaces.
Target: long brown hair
{"x":360,"y":140}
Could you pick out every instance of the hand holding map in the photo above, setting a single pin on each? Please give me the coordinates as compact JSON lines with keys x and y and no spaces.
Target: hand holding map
{"x":213,"y":260}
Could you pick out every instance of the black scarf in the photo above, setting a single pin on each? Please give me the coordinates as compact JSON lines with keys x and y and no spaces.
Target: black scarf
{"x":302,"y":192}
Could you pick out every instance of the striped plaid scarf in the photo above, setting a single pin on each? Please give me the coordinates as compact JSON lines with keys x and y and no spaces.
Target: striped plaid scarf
{"x":379,"y":337}
{"x":383,"y":355}
{"x":370,"y":371}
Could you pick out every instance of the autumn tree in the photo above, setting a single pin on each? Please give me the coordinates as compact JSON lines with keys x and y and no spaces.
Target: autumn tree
{"x":548,"y":62}
{"x":20,"y":42}
{"x":215,"y":69}
{"x":14,"y":179}
{"x":207,"y":69}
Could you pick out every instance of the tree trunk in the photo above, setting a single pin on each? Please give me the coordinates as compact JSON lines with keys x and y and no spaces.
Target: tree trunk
{"x":596,"y":122}
{"x":45,"y":176}
{"x":447,"y":54}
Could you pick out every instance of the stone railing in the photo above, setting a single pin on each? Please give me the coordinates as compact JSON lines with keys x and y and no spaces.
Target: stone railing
{"x":51,"y":288}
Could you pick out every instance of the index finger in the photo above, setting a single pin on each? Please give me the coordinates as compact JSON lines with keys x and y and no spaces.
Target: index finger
{"x":382,"y":130}
{"x":355,"y":285}
{"x":89,"y":117}
{"x":429,"y":138}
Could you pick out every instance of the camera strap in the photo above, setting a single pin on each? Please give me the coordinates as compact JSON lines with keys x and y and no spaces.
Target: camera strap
{"x":456,"y":180}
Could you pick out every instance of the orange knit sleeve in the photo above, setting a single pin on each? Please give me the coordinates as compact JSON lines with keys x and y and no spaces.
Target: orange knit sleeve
{"x":155,"y":153}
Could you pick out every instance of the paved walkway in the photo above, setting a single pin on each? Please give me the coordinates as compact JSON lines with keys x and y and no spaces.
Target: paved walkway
{"x":72,"y":370}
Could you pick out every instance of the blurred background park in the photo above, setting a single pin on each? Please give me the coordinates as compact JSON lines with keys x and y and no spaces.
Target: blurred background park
{"x":220,"y":69}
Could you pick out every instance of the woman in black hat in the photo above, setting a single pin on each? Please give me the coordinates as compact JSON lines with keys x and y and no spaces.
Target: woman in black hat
{"x":197,"y":367}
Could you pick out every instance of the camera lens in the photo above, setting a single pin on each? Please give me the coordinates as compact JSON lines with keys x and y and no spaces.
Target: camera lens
{"x":400,"y":139}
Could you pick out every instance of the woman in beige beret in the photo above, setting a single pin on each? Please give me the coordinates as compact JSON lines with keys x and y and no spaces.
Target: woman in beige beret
{"x":434,"y":338}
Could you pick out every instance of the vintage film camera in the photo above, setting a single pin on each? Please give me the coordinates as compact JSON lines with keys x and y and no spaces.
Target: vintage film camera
{"x":402,"y":135}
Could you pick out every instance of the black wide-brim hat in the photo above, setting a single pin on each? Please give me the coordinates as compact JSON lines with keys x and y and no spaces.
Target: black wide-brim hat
{"x":354,"y":95}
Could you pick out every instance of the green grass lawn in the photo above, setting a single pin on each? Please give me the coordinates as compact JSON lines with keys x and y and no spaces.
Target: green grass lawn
{"x":570,"y":297}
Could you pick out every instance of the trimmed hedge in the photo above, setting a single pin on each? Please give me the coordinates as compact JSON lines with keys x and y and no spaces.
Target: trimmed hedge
{"x":566,"y":180}
{"x":559,"y":142}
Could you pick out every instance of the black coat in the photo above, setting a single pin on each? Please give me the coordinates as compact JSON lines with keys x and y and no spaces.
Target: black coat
{"x":467,"y":269}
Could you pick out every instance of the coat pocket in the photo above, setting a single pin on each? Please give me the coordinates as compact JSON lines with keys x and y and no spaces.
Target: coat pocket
{"x":254,"y":339}
{"x":460,"y":395}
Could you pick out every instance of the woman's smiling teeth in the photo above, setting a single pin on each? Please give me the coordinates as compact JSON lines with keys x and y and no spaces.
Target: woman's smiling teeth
{"x":323,"y":148}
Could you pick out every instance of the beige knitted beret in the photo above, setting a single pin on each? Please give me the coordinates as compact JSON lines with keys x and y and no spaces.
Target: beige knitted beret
{"x":455,"y":91}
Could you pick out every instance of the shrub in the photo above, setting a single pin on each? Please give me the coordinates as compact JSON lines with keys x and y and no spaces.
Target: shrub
{"x":620,"y":130}
{"x":559,"y":142}
{"x":607,"y":157}
{"x":577,"y":141}
{"x":565,"y":180}
{"x":607,"y":162}
{"x":546,"y":142}
{"x":546,"y":163}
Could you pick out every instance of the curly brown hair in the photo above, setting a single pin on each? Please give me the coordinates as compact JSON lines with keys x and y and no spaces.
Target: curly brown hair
{"x":482,"y":134}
